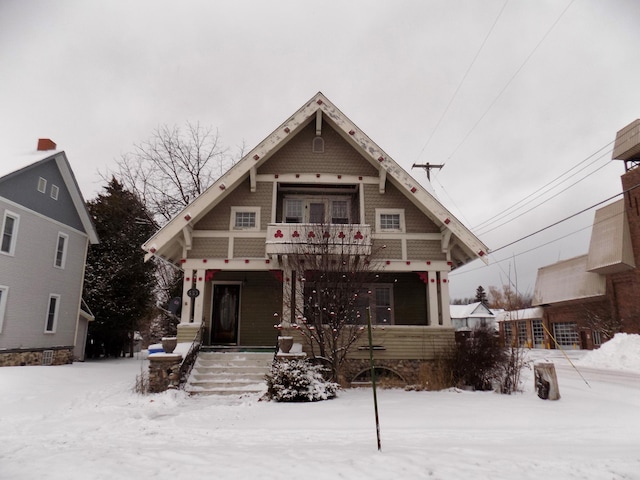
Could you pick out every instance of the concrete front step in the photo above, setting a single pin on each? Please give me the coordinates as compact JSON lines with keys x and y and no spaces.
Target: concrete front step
{"x":229,"y":373}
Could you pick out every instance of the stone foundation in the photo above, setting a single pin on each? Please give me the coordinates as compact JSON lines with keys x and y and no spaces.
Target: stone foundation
{"x":32,"y":357}
{"x":399,"y":373}
{"x":164,"y":371}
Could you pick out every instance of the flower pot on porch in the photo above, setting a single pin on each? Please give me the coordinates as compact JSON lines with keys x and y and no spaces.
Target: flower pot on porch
{"x":169,"y":344}
{"x":285,"y":344}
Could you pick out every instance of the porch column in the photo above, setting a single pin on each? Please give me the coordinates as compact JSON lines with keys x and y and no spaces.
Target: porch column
{"x":287,"y":297}
{"x":445,"y":299}
{"x":432,"y":299}
{"x":185,"y":314}
{"x":198,"y":311}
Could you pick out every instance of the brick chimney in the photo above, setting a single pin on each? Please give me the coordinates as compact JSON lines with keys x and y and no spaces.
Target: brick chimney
{"x":45,"y":144}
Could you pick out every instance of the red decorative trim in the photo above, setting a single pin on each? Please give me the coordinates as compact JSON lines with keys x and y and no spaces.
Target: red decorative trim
{"x":246,"y":260}
{"x":286,"y":129}
{"x":408,"y":262}
{"x":317,"y":175}
{"x":339,"y":177}
{"x":297,"y":175}
{"x":450,"y":263}
{"x":152,"y":250}
{"x":481,"y":253}
{"x":341,"y":235}
{"x":319,"y":102}
{"x":311,"y":234}
{"x":326,"y":235}
{"x":204,"y":260}
{"x":433,"y":280}
{"x":187,"y":279}
{"x":278,"y":234}
{"x":226,"y":260}
{"x":428,"y":262}
{"x":276,"y":175}
{"x":295,"y":234}
{"x":222,"y":186}
{"x":183,"y":260}
{"x":256,"y":157}
{"x":388,"y":262}
{"x":359,"y":178}
{"x":381,"y":158}
{"x":444,"y":280}
{"x":267,"y":261}
{"x":277,"y":274}
{"x":413,"y":189}
{"x":209,"y":274}
{"x":447,"y":221}
{"x":187,"y":217}
{"x":424,"y":276}
{"x":352,"y":132}
{"x":358,"y":235}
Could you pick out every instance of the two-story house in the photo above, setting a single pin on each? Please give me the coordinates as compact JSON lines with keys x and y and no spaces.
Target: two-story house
{"x":316,"y":175}
{"x":46,"y":231}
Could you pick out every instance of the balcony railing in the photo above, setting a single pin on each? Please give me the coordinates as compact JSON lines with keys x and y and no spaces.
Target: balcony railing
{"x":306,"y":238}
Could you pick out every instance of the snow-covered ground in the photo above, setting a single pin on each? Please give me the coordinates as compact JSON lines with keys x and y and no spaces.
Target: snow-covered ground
{"x":82,"y":421}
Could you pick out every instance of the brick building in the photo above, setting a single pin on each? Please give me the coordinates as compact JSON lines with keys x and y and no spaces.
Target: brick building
{"x":588,"y":298}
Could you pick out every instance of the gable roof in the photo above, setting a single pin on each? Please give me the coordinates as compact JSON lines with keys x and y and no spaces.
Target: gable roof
{"x":165,"y":242}
{"x":59,"y":161}
{"x":476,"y":310}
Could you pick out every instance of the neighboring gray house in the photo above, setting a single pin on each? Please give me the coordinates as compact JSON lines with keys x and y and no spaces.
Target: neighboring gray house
{"x":46,"y":231}
{"x":468,"y":317}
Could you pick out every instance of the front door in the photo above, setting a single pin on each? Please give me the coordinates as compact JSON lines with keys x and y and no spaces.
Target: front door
{"x":224,"y":321}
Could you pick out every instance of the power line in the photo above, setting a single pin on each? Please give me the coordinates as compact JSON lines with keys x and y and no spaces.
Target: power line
{"x":464,"y":77}
{"x":545,"y":201}
{"x":498,"y":215}
{"x":526,"y":60}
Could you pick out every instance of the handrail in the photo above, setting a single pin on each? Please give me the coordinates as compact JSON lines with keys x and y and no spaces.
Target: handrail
{"x":189,"y":359}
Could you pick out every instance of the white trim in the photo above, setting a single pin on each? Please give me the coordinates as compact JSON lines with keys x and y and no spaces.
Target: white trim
{"x":236,"y":210}
{"x":14,"y":232}
{"x":390,"y":211}
{"x":65,"y":248}
{"x":55,"y":191}
{"x":4,"y":293}
{"x":55,"y":313}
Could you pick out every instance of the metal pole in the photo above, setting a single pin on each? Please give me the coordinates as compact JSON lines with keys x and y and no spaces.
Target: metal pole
{"x":373,"y":379}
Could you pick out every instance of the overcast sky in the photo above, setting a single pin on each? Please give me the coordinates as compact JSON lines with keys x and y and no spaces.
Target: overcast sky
{"x":509,"y":95}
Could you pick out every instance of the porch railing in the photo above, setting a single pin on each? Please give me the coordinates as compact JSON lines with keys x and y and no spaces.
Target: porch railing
{"x":286,"y":238}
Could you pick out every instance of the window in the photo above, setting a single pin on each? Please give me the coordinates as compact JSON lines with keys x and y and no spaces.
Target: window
{"x":52,"y":314}
{"x":538,"y":332}
{"x":508,"y":333}
{"x":9,"y":233}
{"x":318,"y":210}
{"x":389,"y":220}
{"x":566,"y":334}
{"x":340,"y":211}
{"x":597,"y":336}
{"x":54,"y":192}
{"x":61,"y":250}
{"x":522,"y":334}
{"x":379,"y":299}
{"x":245,"y":218}
{"x":42,"y":185}
{"x":293,"y":210}
{"x":4,"y":291}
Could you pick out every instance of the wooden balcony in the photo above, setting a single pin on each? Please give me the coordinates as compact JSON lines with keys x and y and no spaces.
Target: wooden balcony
{"x":306,"y":238}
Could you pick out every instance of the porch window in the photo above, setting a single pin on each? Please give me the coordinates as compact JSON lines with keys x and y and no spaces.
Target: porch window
{"x":378,"y":298}
{"x":9,"y":233}
{"x":293,"y":210}
{"x":339,"y":211}
{"x":245,"y":218}
{"x":52,"y":314}
{"x":389,"y":220}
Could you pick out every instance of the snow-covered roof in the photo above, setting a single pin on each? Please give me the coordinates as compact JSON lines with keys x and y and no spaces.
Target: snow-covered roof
{"x":522,"y":314}
{"x":476,"y":310}
{"x":165,"y":243}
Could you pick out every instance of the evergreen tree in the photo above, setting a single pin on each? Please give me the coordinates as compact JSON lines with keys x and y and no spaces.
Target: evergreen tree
{"x":119,"y":284}
{"x":481,"y":295}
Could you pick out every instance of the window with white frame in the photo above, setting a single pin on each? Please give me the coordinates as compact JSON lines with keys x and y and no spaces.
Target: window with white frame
{"x":52,"y":313}
{"x":389,"y":220}
{"x":317,"y":209}
{"x":61,"y":250}
{"x":379,"y":299}
{"x":245,"y":218}
{"x":42,"y":185}
{"x":54,"y":192}
{"x":9,"y":233}
{"x":4,"y":291}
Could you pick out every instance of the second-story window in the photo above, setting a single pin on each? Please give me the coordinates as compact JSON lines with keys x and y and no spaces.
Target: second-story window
{"x":245,"y":218}
{"x":317,"y":210}
{"x":61,"y":250}
{"x":9,"y":233}
{"x":390,"y":220}
{"x":293,"y":210}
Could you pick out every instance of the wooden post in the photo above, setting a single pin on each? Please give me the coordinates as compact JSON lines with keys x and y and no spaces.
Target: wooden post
{"x":546,"y":381}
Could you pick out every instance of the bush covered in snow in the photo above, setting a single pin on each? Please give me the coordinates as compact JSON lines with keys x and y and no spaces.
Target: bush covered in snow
{"x":298,"y":381}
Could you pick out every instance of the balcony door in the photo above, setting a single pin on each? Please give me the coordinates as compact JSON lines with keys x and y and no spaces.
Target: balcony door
{"x":317,"y":210}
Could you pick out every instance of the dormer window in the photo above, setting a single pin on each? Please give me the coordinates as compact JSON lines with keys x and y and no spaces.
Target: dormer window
{"x":245,"y":218}
{"x":318,"y":145}
{"x":390,"y":220}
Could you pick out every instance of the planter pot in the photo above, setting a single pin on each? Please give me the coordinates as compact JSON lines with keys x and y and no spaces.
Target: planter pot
{"x":169,"y":344}
{"x":285,"y":344}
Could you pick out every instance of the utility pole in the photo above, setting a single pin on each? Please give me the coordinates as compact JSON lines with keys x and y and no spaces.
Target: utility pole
{"x":427,"y":167}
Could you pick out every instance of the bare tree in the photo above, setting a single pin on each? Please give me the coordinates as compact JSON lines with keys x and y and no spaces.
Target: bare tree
{"x":336,"y":274}
{"x":508,"y":298}
{"x":600,"y":318}
{"x":173,"y":167}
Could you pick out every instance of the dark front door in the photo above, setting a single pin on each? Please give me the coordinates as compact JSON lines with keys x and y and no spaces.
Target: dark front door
{"x":224,"y":321}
